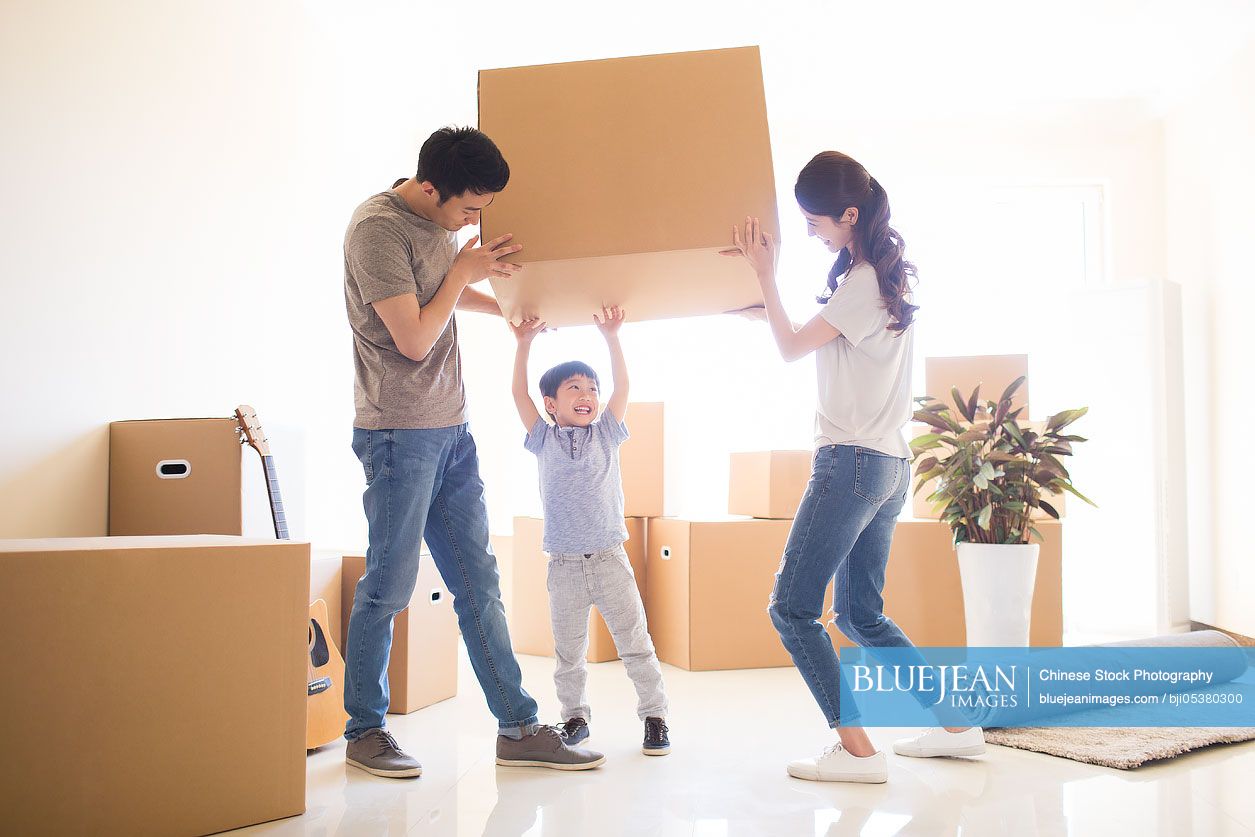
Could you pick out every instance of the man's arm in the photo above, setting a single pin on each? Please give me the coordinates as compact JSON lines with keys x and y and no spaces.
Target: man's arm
{"x":416,"y":329}
{"x":479,"y":302}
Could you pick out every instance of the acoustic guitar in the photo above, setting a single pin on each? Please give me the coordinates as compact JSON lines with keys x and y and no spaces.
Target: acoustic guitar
{"x":325,"y":716}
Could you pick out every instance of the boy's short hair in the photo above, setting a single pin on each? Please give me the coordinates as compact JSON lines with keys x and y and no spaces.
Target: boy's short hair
{"x":458,"y":160}
{"x":555,"y":377}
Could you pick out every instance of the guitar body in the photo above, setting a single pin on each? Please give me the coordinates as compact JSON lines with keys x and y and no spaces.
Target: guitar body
{"x":325,"y":718}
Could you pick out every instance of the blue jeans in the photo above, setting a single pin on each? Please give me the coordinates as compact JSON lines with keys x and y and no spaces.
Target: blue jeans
{"x":424,"y":484}
{"x":843,"y":529}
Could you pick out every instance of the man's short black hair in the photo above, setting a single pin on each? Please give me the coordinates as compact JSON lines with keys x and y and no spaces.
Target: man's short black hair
{"x":458,"y":160}
{"x":563,"y":372}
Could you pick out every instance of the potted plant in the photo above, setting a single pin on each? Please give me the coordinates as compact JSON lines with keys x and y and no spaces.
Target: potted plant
{"x":992,"y":474}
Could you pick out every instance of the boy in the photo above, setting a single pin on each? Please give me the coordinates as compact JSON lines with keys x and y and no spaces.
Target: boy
{"x":582,"y":496}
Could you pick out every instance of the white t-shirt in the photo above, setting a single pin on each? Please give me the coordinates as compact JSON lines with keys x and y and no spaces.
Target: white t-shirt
{"x":864,"y":374}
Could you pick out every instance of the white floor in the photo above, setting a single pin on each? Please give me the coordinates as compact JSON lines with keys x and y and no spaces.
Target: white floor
{"x":732,"y":733}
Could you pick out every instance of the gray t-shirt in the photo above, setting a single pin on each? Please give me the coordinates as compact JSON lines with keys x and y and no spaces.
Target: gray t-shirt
{"x":580,"y":487}
{"x":390,"y":251}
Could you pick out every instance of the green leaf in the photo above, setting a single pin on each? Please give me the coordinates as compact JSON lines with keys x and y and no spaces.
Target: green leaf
{"x":937,"y":420}
{"x":1061,"y":420}
{"x":1067,"y":486}
{"x":960,"y":403}
{"x":971,"y":404}
{"x":926,"y":464}
{"x":1013,"y":430}
{"x":1049,"y":509}
{"x":1011,"y":389}
{"x":986,"y":514}
{"x":926,"y":442}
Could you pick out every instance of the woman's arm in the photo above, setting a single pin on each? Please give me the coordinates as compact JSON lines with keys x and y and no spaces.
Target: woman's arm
{"x":759,"y":249}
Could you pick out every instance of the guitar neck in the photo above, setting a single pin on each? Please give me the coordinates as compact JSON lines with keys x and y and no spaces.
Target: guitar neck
{"x":276,"y":499}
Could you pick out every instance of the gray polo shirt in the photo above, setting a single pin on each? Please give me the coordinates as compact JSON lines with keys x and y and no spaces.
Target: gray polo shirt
{"x":390,"y":251}
{"x":580,"y":487}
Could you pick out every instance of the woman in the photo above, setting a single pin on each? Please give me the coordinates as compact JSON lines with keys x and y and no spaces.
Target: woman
{"x":862,"y":339}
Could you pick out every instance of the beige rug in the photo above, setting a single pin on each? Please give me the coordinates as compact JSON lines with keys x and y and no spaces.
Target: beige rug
{"x":1120,"y":747}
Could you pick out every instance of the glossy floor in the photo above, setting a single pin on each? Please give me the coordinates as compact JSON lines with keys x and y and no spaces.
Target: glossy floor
{"x":732,"y":734}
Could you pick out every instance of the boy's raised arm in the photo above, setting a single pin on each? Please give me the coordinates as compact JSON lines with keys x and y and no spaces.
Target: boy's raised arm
{"x":524,"y":333}
{"x":612,"y":318}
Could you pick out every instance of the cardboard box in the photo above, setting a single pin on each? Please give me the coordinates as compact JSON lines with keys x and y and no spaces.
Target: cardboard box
{"x":423,"y":668}
{"x":768,"y":484}
{"x":326,"y":583}
{"x":641,"y":461}
{"x":709,"y":583}
{"x":176,"y":476}
{"x":192,"y":476}
{"x":154,"y":685}
{"x":922,"y":509}
{"x":993,"y":373}
{"x":531,"y":630}
{"x":924,"y":596}
{"x":604,"y":223}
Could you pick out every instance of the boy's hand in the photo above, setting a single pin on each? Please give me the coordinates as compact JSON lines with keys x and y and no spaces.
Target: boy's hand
{"x":526,"y":331}
{"x":611,"y":319}
{"x":758,"y":248}
{"x":474,"y":264}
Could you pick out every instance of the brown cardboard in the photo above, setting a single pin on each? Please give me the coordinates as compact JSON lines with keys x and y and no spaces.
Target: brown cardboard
{"x":423,"y":667}
{"x":206,"y":501}
{"x":768,"y":483}
{"x":709,"y":583}
{"x":993,"y":373}
{"x":922,"y":509}
{"x":924,"y":596}
{"x":530,"y":626}
{"x":626,"y":176}
{"x":641,"y":460}
{"x":154,"y":685}
{"x":326,"y":583}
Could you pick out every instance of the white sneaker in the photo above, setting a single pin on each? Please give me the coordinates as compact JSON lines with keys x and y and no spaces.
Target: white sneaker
{"x":836,"y":764}
{"x":938,"y":742}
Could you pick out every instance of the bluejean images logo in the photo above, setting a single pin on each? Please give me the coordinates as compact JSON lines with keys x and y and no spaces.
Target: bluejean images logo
{"x":1115,"y":686}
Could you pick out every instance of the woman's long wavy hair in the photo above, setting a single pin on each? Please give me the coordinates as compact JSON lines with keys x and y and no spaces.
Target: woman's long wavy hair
{"x":829,"y":185}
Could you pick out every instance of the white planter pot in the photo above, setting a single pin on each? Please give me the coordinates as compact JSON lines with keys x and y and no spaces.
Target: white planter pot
{"x":998,"y":584}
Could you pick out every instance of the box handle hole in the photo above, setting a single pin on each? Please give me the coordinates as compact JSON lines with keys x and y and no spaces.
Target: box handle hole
{"x":436,"y":596}
{"x":666,"y":553}
{"x":173,"y":469}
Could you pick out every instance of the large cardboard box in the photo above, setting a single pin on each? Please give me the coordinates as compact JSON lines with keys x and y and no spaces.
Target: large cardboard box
{"x":924,"y":595}
{"x":923,"y":509}
{"x":153,"y":685}
{"x":423,"y":668}
{"x":993,"y":373}
{"x":530,"y":626}
{"x":627,"y":175}
{"x":641,"y":460}
{"x":768,"y":483}
{"x":709,"y":583}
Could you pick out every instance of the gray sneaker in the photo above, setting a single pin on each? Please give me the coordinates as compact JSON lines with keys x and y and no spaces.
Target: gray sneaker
{"x":545,"y":748}
{"x":377,"y":752}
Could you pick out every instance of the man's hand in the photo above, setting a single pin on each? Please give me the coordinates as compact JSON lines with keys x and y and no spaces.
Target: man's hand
{"x":526,"y":331}
{"x":474,"y":264}
{"x":611,"y":320}
{"x":758,"y":248}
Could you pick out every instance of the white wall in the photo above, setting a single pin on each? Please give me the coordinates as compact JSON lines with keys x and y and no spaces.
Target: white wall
{"x":1210,"y":180}
{"x":176,"y":178}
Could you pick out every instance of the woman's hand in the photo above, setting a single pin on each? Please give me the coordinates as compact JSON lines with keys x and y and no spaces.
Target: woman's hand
{"x":758,"y":248}
{"x":611,"y":320}
{"x":526,"y":331}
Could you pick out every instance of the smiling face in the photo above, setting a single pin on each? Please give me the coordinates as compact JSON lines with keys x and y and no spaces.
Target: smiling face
{"x":834,"y":233}
{"x":459,"y":210}
{"x":575,"y":403}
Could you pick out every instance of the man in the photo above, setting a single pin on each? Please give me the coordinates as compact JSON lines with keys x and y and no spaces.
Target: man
{"x":403,"y":278}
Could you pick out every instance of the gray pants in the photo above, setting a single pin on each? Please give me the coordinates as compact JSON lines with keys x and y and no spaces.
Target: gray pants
{"x":605,"y":579}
